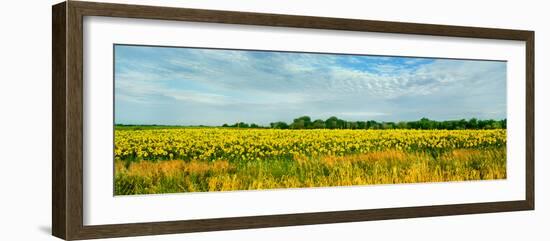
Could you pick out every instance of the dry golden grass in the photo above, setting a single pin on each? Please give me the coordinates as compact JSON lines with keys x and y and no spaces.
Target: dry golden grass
{"x":380,"y":167}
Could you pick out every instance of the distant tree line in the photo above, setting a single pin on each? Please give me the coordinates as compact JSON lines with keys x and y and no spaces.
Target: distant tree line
{"x":244,"y":125}
{"x":305,"y":122}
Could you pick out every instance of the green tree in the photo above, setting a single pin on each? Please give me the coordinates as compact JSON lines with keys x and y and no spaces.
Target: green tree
{"x":279,"y":125}
{"x":318,"y":124}
{"x":331,"y":122}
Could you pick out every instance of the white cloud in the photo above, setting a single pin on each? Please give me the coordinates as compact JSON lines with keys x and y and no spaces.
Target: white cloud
{"x":311,"y":83}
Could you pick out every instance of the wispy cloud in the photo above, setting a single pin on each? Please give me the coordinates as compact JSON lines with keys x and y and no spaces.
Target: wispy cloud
{"x":209,"y":86}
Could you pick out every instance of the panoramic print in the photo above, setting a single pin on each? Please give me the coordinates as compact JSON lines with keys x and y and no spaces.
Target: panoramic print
{"x":207,"y":120}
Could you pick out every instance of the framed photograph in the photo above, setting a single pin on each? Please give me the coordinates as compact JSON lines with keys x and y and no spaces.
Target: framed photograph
{"x":172,"y":120}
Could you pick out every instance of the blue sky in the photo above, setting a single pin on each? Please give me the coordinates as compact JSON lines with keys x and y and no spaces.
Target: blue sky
{"x":193,"y":86}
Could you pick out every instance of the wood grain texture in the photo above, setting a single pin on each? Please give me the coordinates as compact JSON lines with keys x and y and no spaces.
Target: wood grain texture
{"x":530,"y":120}
{"x":74,"y":110}
{"x":59,"y":193}
{"x":67,"y":136}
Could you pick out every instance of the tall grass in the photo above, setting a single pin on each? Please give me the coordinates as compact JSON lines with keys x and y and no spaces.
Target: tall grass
{"x":376,"y":167}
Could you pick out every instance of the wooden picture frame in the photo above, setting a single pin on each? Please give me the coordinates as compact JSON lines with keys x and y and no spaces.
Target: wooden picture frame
{"x":67,"y":123}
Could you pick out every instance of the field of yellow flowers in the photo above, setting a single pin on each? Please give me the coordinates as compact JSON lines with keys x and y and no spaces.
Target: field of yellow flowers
{"x":222,"y":159}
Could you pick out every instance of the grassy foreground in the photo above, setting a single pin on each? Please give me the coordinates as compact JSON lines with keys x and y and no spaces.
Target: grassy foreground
{"x":388,"y":166}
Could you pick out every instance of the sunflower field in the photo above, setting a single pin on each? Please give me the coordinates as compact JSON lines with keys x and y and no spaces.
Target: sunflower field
{"x":167,"y":160}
